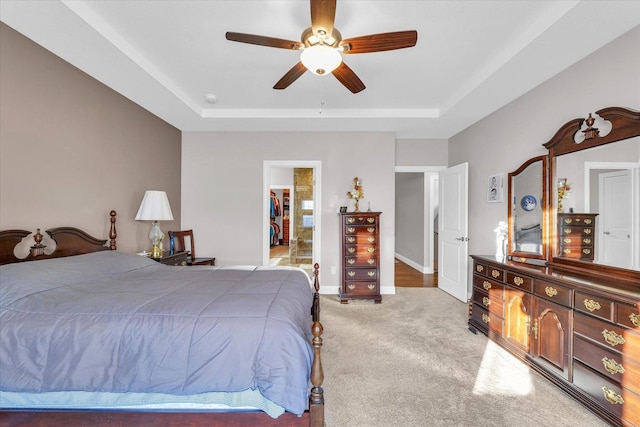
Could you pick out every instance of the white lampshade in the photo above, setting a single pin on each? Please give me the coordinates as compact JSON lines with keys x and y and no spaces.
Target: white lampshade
{"x":321,"y":59}
{"x":155,"y":207}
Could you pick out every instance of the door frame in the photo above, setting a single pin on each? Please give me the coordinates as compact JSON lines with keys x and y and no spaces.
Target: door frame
{"x":316,"y":165}
{"x":430,"y":178}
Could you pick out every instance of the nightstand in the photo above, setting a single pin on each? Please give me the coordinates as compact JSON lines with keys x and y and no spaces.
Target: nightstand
{"x":178,"y":258}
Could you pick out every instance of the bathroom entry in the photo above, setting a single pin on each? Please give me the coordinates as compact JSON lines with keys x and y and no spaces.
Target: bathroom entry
{"x":300,"y":179}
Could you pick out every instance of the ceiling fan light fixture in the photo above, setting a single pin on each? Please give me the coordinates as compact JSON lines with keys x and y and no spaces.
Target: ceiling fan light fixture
{"x":320,"y":59}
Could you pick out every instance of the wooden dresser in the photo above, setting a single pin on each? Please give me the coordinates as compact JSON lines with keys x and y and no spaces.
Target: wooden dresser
{"x":576,"y":235}
{"x":582,"y":333}
{"x":360,"y":256}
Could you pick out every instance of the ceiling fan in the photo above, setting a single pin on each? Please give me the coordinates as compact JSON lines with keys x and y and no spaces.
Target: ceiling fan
{"x":322,"y":46}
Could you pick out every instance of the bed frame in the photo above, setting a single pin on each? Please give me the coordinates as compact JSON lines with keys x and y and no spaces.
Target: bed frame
{"x":73,"y":241}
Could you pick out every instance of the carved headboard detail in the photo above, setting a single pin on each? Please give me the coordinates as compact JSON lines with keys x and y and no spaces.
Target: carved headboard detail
{"x":69,"y":241}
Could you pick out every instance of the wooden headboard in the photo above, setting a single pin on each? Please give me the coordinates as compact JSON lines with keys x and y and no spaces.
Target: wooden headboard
{"x":69,"y":241}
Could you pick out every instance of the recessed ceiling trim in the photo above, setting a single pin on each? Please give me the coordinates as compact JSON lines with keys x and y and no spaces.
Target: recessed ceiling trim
{"x":308,"y":113}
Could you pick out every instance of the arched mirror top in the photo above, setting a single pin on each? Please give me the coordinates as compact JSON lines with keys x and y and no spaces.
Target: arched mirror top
{"x":527,"y":211}
{"x":594,"y":187}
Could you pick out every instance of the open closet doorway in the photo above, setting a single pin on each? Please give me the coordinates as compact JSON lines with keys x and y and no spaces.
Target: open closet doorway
{"x":292,"y":230}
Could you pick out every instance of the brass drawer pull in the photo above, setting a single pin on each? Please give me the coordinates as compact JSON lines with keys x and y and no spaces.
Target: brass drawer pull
{"x":371,"y":220}
{"x":567,"y":241}
{"x":371,"y":229}
{"x":371,"y":250}
{"x":351,"y":287}
{"x":566,"y":251}
{"x":495,"y":273}
{"x":486,"y":301}
{"x":586,"y":241}
{"x":567,"y":231}
{"x":587,"y":231}
{"x":568,"y":220}
{"x":486,"y":285}
{"x":551,"y":291}
{"x":479,"y":268}
{"x":371,"y":286}
{"x":612,"y":396}
{"x":635,"y":319}
{"x":518,"y":281}
{"x":591,"y":305}
{"x":351,"y":250}
{"x":587,"y":220}
{"x":371,"y":239}
{"x":351,"y":229}
{"x":612,"y":338}
{"x":351,"y":239}
{"x":612,"y":366}
{"x":351,"y":220}
{"x":371,"y":261}
{"x":371,"y":273}
{"x":586,"y":251}
{"x":485,"y":318}
{"x":351,"y":273}
{"x":351,"y":261}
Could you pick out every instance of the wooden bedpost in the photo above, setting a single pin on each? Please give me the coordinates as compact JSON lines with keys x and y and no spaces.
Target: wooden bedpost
{"x":316,"y":400}
{"x":112,"y":231}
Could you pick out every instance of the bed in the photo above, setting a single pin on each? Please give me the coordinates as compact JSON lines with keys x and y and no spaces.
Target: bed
{"x":94,"y":336}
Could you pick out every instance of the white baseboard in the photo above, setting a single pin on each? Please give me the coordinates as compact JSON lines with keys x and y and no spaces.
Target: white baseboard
{"x":415,"y":265}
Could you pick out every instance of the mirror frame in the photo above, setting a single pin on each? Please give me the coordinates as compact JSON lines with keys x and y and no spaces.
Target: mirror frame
{"x":625,"y":124}
{"x":528,"y":256}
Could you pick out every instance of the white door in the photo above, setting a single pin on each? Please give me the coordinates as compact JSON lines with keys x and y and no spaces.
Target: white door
{"x":615,"y":204}
{"x":453,"y":251}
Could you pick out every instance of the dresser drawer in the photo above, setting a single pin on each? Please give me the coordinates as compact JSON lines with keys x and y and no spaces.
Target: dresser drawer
{"x":361,"y":288}
{"x":491,"y":302}
{"x":629,"y":315}
{"x":361,"y":274}
{"x":361,"y":261}
{"x":596,"y":306}
{"x":609,"y":363}
{"x":519,"y":281}
{"x":361,"y":219}
{"x":577,"y":242}
{"x":617,"y":400}
{"x":360,"y":238}
{"x":488,"y":321}
{"x":577,"y":220}
{"x":352,"y":250}
{"x":369,"y":230}
{"x":579,"y":232}
{"x":553,"y":292}
{"x":493,"y":288}
{"x":577,"y":252}
{"x":608,"y":335}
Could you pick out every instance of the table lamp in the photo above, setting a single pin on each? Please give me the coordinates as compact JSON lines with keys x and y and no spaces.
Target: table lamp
{"x":155,"y":207}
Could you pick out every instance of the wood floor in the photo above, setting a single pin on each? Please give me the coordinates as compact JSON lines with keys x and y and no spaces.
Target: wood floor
{"x":408,"y":277}
{"x":405,"y":276}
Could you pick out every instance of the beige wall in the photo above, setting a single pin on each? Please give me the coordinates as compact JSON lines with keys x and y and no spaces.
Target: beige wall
{"x":504,"y":140}
{"x":72,"y":149}
{"x":222,"y":190}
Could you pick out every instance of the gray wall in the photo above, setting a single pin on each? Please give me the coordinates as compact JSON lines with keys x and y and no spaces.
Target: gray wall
{"x":504,"y":140}
{"x":72,"y":149}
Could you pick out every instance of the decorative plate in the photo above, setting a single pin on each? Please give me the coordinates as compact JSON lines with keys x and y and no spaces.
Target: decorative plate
{"x":528,"y":203}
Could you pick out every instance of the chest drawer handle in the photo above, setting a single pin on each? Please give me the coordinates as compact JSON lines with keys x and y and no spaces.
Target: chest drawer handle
{"x":351,"y":220}
{"x":351,"y":239}
{"x":371,"y":286}
{"x":566,"y":251}
{"x":567,"y":240}
{"x":371,"y":220}
{"x":518,"y":281}
{"x":351,"y":287}
{"x":635,"y":319}
{"x":351,"y":229}
{"x":591,"y":305}
{"x":495,"y":273}
{"x":351,"y":273}
{"x":486,"y":301}
{"x":371,"y":273}
{"x":612,"y":338}
{"x":486,"y":285}
{"x":371,"y":239}
{"x":351,"y":261}
{"x":586,"y":241}
{"x":550,"y":291}
{"x":351,"y":250}
{"x":371,"y":261}
{"x":371,"y":250}
{"x":568,"y":220}
{"x":479,"y":268}
{"x":612,"y":366}
{"x":587,"y":231}
{"x":587,"y":221}
{"x":371,"y":229}
{"x":612,"y":396}
{"x":485,"y":318}
{"x":586,"y":251}
{"x":567,"y":231}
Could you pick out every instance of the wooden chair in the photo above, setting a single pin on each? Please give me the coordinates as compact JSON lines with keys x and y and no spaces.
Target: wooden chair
{"x":179,"y":245}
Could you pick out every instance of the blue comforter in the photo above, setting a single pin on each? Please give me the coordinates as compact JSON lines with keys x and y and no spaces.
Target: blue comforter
{"x":115,"y":322}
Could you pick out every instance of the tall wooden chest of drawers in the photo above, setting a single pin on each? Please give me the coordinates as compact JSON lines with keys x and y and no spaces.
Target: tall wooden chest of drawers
{"x":360,"y":256}
{"x":576,"y":235}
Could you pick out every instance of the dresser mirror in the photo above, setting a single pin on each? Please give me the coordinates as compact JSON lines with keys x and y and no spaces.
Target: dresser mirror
{"x":594,"y":183}
{"x":527,"y":210}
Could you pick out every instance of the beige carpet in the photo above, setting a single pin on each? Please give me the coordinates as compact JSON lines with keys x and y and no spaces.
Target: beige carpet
{"x":411,"y":361}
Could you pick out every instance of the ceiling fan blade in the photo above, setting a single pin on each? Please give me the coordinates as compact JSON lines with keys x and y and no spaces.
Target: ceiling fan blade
{"x":380,"y":42}
{"x":323,"y":14}
{"x":263,"y":41}
{"x":291,"y":76}
{"x":348,"y":78}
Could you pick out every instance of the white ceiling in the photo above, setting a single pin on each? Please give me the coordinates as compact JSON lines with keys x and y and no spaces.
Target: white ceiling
{"x":472,"y":57}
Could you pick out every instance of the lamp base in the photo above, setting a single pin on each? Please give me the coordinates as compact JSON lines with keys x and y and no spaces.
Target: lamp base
{"x":156,"y":252}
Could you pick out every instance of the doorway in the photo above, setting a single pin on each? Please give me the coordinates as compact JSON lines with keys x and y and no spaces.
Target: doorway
{"x":301,"y":179}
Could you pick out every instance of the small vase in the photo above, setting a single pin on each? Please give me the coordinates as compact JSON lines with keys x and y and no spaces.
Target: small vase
{"x":356,"y":207}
